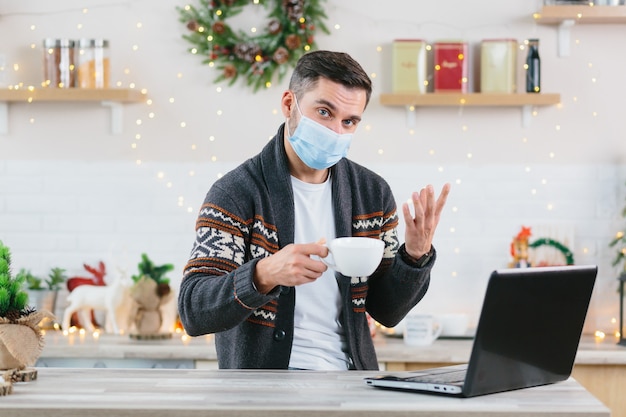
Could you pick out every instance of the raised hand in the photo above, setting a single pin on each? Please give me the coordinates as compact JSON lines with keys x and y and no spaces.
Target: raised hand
{"x":420,"y":230}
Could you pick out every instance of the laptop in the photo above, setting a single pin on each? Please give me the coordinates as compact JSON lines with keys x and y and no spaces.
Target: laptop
{"x":528,"y":333}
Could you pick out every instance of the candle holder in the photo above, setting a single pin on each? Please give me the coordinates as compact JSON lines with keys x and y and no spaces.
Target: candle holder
{"x":622,"y":280}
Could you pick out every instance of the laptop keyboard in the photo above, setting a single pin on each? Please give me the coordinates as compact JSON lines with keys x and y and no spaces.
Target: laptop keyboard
{"x":442,"y":378}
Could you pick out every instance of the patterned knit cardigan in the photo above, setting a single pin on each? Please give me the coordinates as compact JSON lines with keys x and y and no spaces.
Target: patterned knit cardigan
{"x":249,"y":214}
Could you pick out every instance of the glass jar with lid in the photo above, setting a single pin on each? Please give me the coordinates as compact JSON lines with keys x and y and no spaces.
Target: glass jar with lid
{"x":93,"y":63}
{"x":59,"y":69}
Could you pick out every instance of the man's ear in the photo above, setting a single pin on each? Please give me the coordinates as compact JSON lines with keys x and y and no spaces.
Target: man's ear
{"x":287,"y":102}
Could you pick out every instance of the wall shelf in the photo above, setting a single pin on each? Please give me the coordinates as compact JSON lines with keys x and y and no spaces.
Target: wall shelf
{"x":551,"y":15}
{"x":524,"y":100}
{"x":113,"y":98}
{"x":566,"y":16}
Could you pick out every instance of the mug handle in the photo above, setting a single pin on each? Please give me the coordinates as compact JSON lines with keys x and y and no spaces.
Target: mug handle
{"x":328,"y":262}
{"x":438,"y":331}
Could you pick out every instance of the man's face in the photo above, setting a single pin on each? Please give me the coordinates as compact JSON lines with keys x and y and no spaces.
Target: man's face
{"x":332,"y":105}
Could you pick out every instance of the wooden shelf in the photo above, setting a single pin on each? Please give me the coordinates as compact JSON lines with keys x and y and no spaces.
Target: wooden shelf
{"x":551,"y":15}
{"x":566,"y":16}
{"x":113,"y":98}
{"x":72,"y":94}
{"x":470,"y":99}
{"x":524,"y":100}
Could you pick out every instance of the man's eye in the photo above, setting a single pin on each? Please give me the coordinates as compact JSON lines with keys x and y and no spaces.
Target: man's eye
{"x":349,"y":123}
{"x":323,"y":113}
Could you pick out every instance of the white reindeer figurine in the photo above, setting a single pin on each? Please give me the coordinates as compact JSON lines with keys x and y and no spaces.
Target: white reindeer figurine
{"x":85,"y":298}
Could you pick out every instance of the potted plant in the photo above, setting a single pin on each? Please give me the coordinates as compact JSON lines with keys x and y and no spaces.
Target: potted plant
{"x":619,"y":242}
{"x":21,"y":340}
{"x":43,"y":293}
{"x":150,"y":291}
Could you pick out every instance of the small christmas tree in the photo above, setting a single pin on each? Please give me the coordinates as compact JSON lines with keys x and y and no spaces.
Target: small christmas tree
{"x":13,"y":298}
{"x":21,"y":340}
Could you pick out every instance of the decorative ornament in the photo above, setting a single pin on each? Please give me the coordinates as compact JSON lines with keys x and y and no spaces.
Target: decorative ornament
{"x":150,"y":291}
{"x":519,"y":249}
{"x":97,"y":279}
{"x":521,"y":244}
{"x":567,"y":253}
{"x":270,"y":50}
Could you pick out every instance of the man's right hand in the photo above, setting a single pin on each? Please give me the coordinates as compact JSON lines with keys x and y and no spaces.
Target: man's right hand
{"x":290,"y":266}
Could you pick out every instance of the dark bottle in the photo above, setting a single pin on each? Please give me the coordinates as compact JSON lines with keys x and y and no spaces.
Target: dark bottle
{"x":533,"y":67}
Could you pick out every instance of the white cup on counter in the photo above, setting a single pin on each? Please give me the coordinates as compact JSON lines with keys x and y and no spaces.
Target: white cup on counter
{"x":421,"y":329}
{"x":454,"y":325}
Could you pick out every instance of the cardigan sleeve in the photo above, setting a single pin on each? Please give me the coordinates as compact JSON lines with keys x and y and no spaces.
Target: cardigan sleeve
{"x":217,"y":291}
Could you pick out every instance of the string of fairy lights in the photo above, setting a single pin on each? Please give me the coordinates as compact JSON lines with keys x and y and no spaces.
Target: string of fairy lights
{"x":137,"y":136}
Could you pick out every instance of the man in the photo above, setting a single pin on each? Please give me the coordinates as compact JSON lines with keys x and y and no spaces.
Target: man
{"x":254,"y":277}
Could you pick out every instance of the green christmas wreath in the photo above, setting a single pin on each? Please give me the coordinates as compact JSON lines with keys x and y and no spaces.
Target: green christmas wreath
{"x":567,"y":253}
{"x":289,"y":33}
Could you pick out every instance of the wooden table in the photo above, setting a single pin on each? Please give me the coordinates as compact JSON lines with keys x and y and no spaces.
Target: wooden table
{"x":600,"y":365}
{"x":73,"y":392}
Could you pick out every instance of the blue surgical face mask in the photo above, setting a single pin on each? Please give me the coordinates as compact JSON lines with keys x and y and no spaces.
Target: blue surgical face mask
{"x":316,"y":145}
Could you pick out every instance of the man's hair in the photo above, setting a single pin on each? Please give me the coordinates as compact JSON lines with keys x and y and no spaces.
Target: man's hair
{"x":338,"y":67}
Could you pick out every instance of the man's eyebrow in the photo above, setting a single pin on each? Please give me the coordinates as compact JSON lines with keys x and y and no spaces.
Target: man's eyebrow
{"x":326,"y":103}
{"x":334,"y":108}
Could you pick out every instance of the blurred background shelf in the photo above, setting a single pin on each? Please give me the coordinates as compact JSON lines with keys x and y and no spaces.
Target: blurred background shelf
{"x":113,"y":98}
{"x":122,"y":95}
{"x":550,"y":15}
{"x":526,"y":101}
{"x":566,"y":16}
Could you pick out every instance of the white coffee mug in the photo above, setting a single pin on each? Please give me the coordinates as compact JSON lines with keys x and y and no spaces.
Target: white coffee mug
{"x":454,"y":325}
{"x":421,"y":329}
{"x":354,"y":256}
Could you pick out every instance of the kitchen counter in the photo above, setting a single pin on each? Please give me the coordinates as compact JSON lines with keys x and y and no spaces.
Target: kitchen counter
{"x":392,"y":352}
{"x":82,"y":350}
{"x":67,"y":392}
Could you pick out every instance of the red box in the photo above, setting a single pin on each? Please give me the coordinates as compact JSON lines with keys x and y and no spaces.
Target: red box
{"x":451,"y":67}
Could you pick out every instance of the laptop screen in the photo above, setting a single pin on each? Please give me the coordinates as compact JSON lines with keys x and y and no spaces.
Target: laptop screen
{"x":530,"y":327}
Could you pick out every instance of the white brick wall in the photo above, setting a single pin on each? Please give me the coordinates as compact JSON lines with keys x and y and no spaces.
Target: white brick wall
{"x":56,"y":211}
{"x":66,"y":213}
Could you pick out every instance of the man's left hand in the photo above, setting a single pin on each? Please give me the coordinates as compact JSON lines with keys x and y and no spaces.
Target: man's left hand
{"x":420,"y":229}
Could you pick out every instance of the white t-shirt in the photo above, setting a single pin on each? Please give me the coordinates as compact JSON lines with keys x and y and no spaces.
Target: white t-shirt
{"x":319,"y":341}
